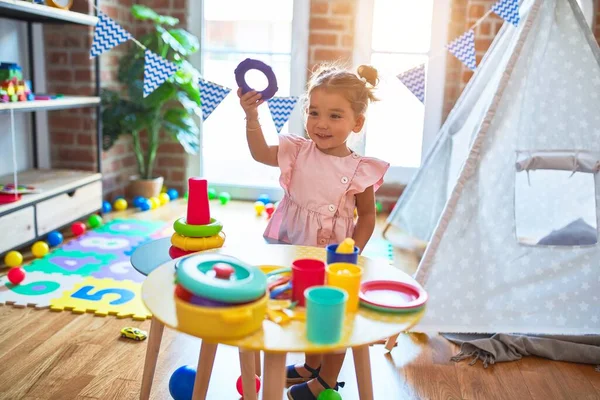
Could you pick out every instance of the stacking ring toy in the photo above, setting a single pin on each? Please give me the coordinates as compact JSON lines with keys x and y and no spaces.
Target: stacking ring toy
{"x":196,"y":231}
{"x":196,"y":274}
{"x":175,"y":252}
{"x":198,"y":244}
{"x":248,"y":64}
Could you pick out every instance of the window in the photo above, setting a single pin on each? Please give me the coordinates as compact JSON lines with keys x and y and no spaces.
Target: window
{"x":402,"y":34}
{"x":273,"y":31}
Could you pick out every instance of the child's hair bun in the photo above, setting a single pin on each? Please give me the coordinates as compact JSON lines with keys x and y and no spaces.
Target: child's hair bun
{"x":369,"y":73}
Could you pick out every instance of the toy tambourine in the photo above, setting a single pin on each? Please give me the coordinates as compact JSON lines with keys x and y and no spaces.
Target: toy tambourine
{"x":248,"y":64}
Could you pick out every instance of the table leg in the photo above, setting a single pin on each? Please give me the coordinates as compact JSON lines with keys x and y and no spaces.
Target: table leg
{"x":257,"y":366}
{"x":391,"y":342}
{"x":204,"y":370}
{"x":274,"y":378}
{"x":247,"y":360}
{"x":152,"y":350}
{"x":362,"y":365}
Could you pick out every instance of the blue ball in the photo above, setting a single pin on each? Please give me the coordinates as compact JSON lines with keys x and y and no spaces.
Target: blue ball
{"x":264,"y":198}
{"x":54,"y":238}
{"x":137,"y":200}
{"x":181,"y":384}
{"x":173,"y":194}
{"x":106,"y":207}
{"x":145,"y":205}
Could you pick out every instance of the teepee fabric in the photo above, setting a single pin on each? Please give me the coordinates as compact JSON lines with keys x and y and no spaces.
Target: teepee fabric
{"x":480,"y":277}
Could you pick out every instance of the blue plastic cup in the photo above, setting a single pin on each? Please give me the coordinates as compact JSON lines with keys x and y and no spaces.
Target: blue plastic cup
{"x":325,"y":311}
{"x":333,"y":257}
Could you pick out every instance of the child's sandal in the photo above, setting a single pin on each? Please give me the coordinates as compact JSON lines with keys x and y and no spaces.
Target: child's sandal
{"x":292,"y":376}
{"x":302,"y":392}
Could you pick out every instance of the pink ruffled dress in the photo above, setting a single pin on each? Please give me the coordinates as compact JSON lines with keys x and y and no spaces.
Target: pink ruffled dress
{"x":318,"y":205}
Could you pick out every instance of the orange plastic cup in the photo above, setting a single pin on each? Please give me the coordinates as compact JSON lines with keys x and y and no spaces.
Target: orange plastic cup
{"x":346,"y":276}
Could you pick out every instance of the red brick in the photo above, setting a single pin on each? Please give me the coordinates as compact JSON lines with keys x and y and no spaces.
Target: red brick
{"x":81,"y":59}
{"x":59,"y":58}
{"x":83,"y":75}
{"x":180,"y":4}
{"x":70,"y":122}
{"x":476,"y":11}
{"x":77,"y":155}
{"x":347,"y":41}
{"x":326,"y":24}
{"x":129,"y":161}
{"x":482,"y":44}
{"x":331,"y":55}
{"x":327,"y":39}
{"x":466,"y":75}
{"x":485,"y":29}
{"x":85,"y":140}
{"x":176,"y":176}
{"x":344,"y":7}
{"x":318,"y":7}
{"x":63,"y":138}
{"x":111,"y":11}
{"x":62,"y":75}
{"x":171,"y":148}
{"x":171,"y":161}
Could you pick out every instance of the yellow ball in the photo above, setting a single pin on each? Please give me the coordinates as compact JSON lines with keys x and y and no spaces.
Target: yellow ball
{"x":154,"y":202}
{"x":164,"y":199}
{"x":40,"y":249}
{"x":13,"y":258}
{"x":259,"y":207}
{"x":120,"y":204}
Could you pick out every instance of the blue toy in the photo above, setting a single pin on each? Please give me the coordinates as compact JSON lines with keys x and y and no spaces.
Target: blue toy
{"x":106,"y":207}
{"x":173,"y":194}
{"x":54,"y":238}
{"x":137,"y":201}
{"x":145,"y":205}
{"x":181,"y":384}
{"x":264,"y":198}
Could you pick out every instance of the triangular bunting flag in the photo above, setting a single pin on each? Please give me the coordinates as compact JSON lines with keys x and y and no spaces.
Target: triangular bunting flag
{"x":281,"y":108}
{"x":463,"y":48}
{"x":156,"y":71}
{"x":414,"y":80}
{"x":107,"y":35}
{"x":211,"y":95}
{"x":509,"y":10}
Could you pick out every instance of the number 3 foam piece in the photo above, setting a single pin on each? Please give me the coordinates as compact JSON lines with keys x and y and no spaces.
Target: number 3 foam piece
{"x":103,"y":297}
{"x":37,"y":290}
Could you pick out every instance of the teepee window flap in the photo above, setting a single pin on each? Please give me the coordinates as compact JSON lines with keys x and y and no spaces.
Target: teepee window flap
{"x":572,"y":160}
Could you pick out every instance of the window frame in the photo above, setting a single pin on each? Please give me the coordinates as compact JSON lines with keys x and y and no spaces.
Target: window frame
{"x":435,"y":76}
{"x":298,"y":79}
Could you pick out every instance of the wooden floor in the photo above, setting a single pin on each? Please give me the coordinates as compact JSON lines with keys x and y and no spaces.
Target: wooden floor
{"x":61,"y":356}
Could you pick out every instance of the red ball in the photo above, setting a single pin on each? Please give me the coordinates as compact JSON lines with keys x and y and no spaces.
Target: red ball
{"x":238,"y":385}
{"x":78,"y":228}
{"x":16,"y":275}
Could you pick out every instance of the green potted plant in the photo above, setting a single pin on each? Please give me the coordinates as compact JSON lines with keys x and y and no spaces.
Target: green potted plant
{"x":170,"y":109}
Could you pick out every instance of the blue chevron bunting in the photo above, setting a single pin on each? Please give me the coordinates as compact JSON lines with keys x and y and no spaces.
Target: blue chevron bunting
{"x":414,"y":80}
{"x":107,"y":35}
{"x":508,"y":10}
{"x":211,"y":95}
{"x":281,"y":108}
{"x":463,"y":48}
{"x":156,"y":71}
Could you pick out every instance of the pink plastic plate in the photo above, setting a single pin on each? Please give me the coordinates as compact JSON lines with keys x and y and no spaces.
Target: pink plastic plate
{"x":392,"y":294}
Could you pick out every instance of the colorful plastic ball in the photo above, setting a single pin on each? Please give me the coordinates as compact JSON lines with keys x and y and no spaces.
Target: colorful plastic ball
{"x":120,"y":204}
{"x":264,"y":198}
{"x":259,"y":207}
{"x":186,"y":194}
{"x":270,"y":209}
{"x":137,"y":200}
{"x":154,"y":202}
{"x":378,"y":206}
{"x":173,"y":194}
{"x":145,"y":205}
{"x":54,"y":238}
{"x":163,"y":198}
{"x":106,"y":207}
{"x":13,"y":258}
{"x":329,"y":394}
{"x":40,"y":249}
{"x":95,"y":220}
{"x":224,"y":197}
{"x":181,"y":384}
{"x":212,"y":193}
{"x":78,"y":228}
{"x":16,"y":275}
{"x":239,"y":386}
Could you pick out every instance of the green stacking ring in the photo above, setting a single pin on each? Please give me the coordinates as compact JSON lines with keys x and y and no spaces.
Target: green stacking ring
{"x":188,"y":230}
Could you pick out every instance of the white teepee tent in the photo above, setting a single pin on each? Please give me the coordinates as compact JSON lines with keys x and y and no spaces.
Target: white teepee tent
{"x":509,"y":196}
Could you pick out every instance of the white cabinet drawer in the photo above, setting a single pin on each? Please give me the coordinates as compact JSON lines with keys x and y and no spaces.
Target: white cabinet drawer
{"x":65,"y":208}
{"x":16,"y":228}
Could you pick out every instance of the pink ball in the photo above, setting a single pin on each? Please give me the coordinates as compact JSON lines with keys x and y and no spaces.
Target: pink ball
{"x":16,"y":275}
{"x":78,"y":228}
{"x":238,"y":385}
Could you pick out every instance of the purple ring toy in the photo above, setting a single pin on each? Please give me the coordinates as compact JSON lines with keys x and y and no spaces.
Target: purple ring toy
{"x":248,"y":64}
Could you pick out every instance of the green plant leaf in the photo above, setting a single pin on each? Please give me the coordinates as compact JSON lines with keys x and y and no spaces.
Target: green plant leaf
{"x":183,"y":128}
{"x":189,"y":104}
{"x":161,"y":95}
{"x":180,"y":40}
{"x":144,"y":13}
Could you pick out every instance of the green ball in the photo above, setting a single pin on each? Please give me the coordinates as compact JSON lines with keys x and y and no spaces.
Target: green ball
{"x":95,"y":220}
{"x":224,"y":197}
{"x":212,"y":194}
{"x":329,"y":394}
{"x":378,"y":206}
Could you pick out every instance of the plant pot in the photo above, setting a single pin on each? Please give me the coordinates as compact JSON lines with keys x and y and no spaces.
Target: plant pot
{"x":145,"y":187}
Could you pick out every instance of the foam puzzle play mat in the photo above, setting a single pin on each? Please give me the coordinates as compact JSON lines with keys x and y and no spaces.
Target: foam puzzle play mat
{"x":91,"y":273}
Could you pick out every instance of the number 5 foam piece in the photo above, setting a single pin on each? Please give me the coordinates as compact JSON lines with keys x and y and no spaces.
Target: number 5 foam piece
{"x":37,"y":289}
{"x":104,"y":297}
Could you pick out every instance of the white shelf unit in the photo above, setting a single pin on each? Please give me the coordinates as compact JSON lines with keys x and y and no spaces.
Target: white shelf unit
{"x":61,"y":103}
{"x":30,"y":12}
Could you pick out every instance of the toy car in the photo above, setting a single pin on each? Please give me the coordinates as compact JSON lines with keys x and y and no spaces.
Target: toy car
{"x":133,"y":333}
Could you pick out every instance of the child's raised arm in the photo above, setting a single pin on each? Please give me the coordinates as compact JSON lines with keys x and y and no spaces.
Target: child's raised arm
{"x":365,"y":225}
{"x":260,"y":150}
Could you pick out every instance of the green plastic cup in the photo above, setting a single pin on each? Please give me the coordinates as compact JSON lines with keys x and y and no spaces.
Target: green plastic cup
{"x":325,"y":311}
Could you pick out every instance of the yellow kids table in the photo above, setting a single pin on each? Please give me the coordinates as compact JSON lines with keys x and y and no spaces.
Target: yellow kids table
{"x":360,"y":329}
